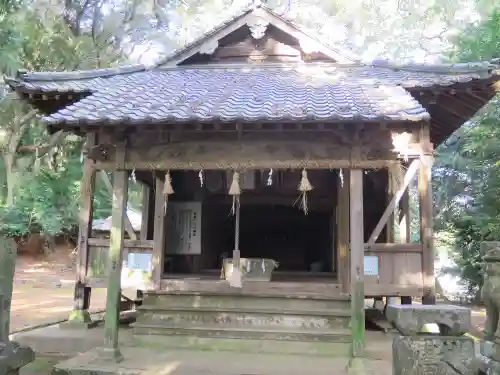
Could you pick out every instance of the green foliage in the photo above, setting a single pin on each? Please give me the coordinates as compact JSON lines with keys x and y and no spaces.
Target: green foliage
{"x":47,"y":201}
{"x":468,"y":186}
{"x":40,"y":185}
{"x":478,"y":42}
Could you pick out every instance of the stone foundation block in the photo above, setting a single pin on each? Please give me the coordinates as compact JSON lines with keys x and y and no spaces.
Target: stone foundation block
{"x":13,"y":357}
{"x":410,"y":319}
{"x":436,"y":355}
{"x":487,"y":361}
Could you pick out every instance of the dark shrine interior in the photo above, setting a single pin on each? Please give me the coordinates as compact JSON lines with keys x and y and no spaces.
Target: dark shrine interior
{"x":272,"y":222}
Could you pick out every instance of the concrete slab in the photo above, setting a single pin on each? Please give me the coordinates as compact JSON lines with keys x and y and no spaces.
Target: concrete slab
{"x":53,"y":341}
{"x":140,"y":361}
{"x":56,"y":341}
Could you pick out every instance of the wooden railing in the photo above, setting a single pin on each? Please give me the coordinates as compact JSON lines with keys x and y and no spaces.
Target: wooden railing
{"x":98,"y":254}
{"x":399,"y":269}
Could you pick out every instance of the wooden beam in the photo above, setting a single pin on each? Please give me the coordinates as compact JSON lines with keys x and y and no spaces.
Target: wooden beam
{"x":394,"y":248}
{"x":410,"y":173}
{"x":392,"y":290}
{"x":357,"y":263}
{"x":159,"y":233}
{"x":87,"y":187}
{"x":170,"y":164}
{"x":128,"y":225}
{"x":104,"y":242}
{"x":254,"y":155}
{"x":427,"y":222}
{"x":146,"y":195}
{"x":115,"y":258}
{"x":342,"y":220}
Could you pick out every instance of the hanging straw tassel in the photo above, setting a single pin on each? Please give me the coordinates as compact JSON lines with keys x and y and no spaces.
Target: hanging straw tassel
{"x":167,"y":190}
{"x":304,"y":187}
{"x":235,"y":280}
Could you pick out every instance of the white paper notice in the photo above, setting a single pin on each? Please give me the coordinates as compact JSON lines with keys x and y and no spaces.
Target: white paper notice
{"x":371,"y":265}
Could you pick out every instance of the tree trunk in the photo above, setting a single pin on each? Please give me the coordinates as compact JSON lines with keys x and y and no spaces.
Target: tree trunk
{"x":10,"y":178}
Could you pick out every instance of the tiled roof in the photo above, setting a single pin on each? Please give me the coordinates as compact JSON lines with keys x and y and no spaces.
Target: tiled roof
{"x":76,"y":81}
{"x":247,"y":94}
{"x":264,"y":92}
{"x":409,"y":76}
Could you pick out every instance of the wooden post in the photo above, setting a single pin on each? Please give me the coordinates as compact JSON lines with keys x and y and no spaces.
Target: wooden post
{"x":391,"y":190}
{"x":357,"y":263}
{"x":405,"y":230}
{"x":159,"y":233}
{"x":80,"y":316}
{"x":342,"y":219}
{"x":115,"y":258}
{"x":427,"y":219}
{"x":146,"y":198}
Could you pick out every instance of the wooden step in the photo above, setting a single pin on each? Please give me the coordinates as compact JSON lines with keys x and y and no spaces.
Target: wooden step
{"x":317,"y":320}
{"x":247,"y":302}
{"x":335,"y":312}
{"x":251,"y":293}
{"x":340,"y":335}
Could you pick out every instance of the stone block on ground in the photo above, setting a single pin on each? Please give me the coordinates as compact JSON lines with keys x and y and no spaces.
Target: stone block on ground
{"x":487,"y":361}
{"x":13,"y":357}
{"x":415,"y":355}
{"x":410,"y":319}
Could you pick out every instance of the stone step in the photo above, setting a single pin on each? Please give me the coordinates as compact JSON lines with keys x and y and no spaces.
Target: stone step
{"x":339,"y":335}
{"x":247,"y":302}
{"x":227,"y":345}
{"x":313,"y":320}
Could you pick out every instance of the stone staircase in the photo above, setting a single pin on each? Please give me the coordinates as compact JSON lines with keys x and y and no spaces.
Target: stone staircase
{"x":246,"y":322}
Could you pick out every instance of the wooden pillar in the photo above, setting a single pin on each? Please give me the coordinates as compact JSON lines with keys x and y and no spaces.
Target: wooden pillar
{"x":357,"y":262}
{"x":404,"y":229}
{"x":115,"y":258}
{"x":79,"y":316}
{"x":391,"y":190}
{"x":145,"y":207}
{"x":342,"y":220}
{"x":159,"y":233}
{"x":427,"y":217}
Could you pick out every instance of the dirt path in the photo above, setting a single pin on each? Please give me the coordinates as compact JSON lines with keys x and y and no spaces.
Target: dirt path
{"x":43,"y":290}
{"x":35,"y":306}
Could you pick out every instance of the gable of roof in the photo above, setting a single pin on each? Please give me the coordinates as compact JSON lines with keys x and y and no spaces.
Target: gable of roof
{"x":259,"y":17}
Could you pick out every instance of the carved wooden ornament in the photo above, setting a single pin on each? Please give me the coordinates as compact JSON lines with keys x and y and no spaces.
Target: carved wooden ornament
{"x":258,"y":27}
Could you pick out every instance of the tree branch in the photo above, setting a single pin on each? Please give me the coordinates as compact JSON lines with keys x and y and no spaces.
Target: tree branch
{"x":17,"y":134}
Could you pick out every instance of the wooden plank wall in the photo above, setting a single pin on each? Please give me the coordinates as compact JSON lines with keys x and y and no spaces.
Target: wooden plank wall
{"x":400,"y":270}
{"x":98,"y":254}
